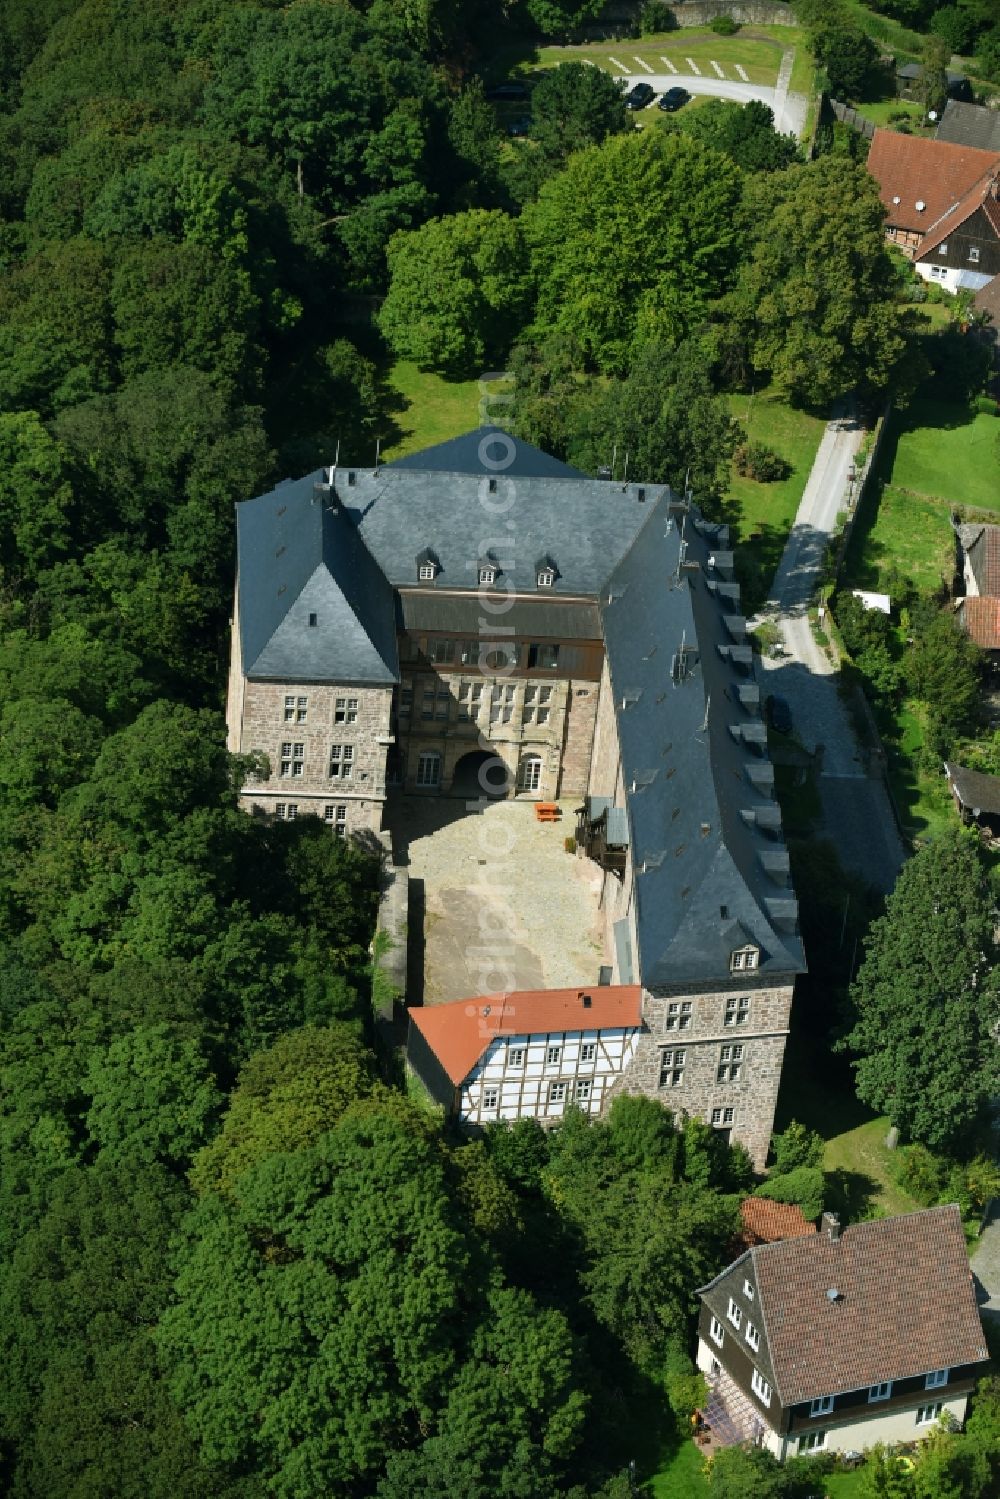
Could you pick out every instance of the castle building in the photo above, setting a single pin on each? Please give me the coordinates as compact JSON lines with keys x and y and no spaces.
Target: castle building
{"x":480,"y":619}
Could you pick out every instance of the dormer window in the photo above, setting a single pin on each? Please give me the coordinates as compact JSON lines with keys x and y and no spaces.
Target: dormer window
{"x":428,"y":566}
{"x":546,"y":571}
{"x":744,"y":959}
{"x":488,"y":570}
{"x":427,"y":572}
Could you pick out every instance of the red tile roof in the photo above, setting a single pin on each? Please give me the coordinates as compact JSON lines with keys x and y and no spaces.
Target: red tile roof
{"x":936,"y":173}
{"x":905,"y":1304}
{"x":980,"y":618}
{"x":765,"y":1222}
{"x":459,"y":1033}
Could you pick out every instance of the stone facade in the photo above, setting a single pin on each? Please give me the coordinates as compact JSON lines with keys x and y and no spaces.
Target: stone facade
{"x":327,"y":748}
{"x":686,"y":1057}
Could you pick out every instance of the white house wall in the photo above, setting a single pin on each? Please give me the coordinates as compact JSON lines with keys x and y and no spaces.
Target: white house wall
{"x":524,"y":1090}
{"x":952,"y":278}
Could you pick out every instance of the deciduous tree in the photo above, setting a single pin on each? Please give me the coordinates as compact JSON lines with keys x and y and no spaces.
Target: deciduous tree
{"x":925,"y":1000}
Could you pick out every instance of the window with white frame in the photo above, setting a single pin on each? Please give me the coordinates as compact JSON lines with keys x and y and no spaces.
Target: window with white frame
{"x":879,"y":1391}
{"x":588,"y":1051}
{"x":529,"y":773}
{"x":583,"y":1088}
{"x":672,"y":1060}
{"x":943,"y":247}
{"x":723,"y":1118}
{"x":752,"y":1335}
{"x":491,"y":1099}
{"x":341,"y":761}
{"x":546,"y":577}
{"x":296,"y":709}
{"x":552,"y":1055}
{"x":973,"y":254}
{"x":744,"y":959}
{"x":717,"y":1332}
{"x":293,"y":758}
{"x":822,"y":1406}
{"x":928,"y":1413}
{"x":678,"y":1016}
{"x":813,"y":1441}
{"x":737,"y":1011}
{"x":487,"y":574}
{"x":345,"y":710}
{"x":515,"y":1056}
{"x":747,"y":1289}
{"x":936,"y":1378}
{"x":730,"y":1064}
{"x":337,"y":818}
{"x":427,"y":572}
{"x":557,"y":1092}
{"x":287,"y":811}
{"x":734,"y":1313}
{"x":760,"y":1387}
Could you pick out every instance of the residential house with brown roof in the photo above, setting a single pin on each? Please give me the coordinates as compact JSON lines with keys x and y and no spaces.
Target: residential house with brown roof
{"x":765,"y":1222}
{"x":942,"y":204}
{"x":978,"y":612}
{"x":837,"y":1340}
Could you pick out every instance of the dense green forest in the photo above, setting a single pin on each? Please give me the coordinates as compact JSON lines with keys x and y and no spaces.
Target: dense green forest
{"x":237,"y":1260}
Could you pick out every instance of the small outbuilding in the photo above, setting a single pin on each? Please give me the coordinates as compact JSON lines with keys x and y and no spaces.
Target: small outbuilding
{"x":977,"y":796}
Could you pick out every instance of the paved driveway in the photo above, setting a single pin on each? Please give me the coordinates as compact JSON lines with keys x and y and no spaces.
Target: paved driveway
{"x":789,"y":109}
{"x":857,"y":814}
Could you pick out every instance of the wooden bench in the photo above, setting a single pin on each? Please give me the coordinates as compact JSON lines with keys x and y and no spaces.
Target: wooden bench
{"x":547,"y":812}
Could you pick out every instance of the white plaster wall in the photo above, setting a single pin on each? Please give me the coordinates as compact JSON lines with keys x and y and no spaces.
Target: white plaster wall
{"x":523,"y":1091}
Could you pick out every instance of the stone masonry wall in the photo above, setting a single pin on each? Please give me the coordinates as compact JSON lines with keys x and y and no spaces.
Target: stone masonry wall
{"x":266,"y":726}
{"x":762,"y":1035}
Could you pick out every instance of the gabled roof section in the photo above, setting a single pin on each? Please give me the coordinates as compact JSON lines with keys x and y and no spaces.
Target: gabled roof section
{"x":980,"y":619}
{"x":488,"y":450}
{"x":935,"y":173}
{"x":300,"y":560}
{"x":970,"y":125}
{"x":982,"y":547}
{"x":976,"y":791}
{"x":459,"y":1033}
{"x":699,"y":795}
{"x":905,"y":1304}
{"x":983,"y":195}
{"x":587,"y":524}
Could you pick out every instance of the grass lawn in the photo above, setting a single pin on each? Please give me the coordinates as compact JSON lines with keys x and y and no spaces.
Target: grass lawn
{"x":857,"y":1162}
{"x":763,"y":513}
{"x":879,"y":110}
{"x":936,"y":456}
{"x":924,"y":805}
{"x":433,"y":409}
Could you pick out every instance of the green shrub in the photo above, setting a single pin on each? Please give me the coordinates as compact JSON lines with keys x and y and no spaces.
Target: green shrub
{"x":922,"y":1173}
{"x":569,"y":844}
{"x":798,"y":1146}
{"x":986,"y":406}
{"x":755,"y":460}
{"x":804,"y":1186}
{"x":724,"y":26}
{"x":654,"y":18}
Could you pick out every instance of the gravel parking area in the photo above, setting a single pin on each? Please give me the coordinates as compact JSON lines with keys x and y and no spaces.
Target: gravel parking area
{"x":495,"y":900}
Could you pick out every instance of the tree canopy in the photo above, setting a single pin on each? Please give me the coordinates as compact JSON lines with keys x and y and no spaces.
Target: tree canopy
{"x":925,"y":1001}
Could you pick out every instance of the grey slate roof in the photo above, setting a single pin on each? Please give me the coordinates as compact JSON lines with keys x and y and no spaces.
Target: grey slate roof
{"x":976,"y":791}
{"x":698,"y":795}
{"x":969,"y":125}
{"x":537,"y":618}
{"x":701,"y":819}
{"x":489,"y":450}
{"x":585,"y":524}
{"x":299,"y":559}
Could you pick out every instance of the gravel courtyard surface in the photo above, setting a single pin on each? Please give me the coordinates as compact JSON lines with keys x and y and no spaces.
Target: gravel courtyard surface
{"x":504,"y":905}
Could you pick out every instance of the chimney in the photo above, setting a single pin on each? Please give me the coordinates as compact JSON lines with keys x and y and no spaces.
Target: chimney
{"x":829,"y":1224}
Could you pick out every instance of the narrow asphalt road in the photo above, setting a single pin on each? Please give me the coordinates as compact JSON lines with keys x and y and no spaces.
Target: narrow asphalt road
{"x":857,"y":815}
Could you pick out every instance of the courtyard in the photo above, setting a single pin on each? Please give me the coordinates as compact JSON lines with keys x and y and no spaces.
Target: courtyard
{"x":496,"y":902}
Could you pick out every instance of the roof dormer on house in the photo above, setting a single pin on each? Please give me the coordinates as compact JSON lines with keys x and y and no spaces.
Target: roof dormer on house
{"x":428,"y":565}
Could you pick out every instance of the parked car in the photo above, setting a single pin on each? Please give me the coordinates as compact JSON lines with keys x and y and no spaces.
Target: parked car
{"x":639,"y":96}
{"x":504,"y":91}
{"x":779,"y":714}
{"x":673,"y":99}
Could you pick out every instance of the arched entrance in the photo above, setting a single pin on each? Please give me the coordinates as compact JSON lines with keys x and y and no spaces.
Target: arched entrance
{"x":480,"y":773}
